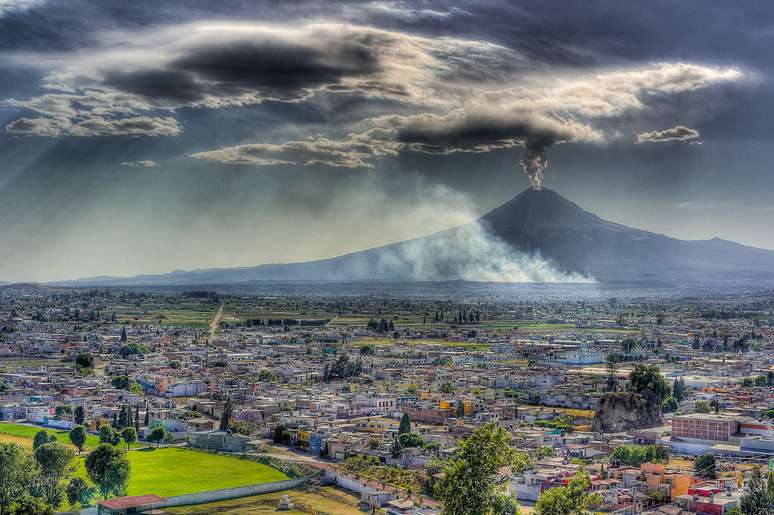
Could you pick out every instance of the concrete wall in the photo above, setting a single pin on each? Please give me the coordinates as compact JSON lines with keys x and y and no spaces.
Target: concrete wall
{"x":220,"y":495}
{"x":231,"y":493}
{"x":359,"y":486}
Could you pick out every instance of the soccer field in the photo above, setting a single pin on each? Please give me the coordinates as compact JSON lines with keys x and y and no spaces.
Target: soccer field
{"x":166,"y":471}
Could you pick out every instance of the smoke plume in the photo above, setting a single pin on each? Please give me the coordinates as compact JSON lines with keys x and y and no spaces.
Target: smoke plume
{"x":469,"y":253}
{"x":534,"y":161}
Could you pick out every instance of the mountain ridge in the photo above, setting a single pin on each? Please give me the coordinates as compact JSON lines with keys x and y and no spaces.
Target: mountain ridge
{"x":537,"y":225}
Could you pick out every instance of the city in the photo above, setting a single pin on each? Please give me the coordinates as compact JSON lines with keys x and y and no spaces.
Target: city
{"x":419,"y":257}
{"x":375,"y":395}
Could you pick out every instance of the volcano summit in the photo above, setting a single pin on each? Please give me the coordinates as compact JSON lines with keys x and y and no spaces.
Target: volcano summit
{"x":539,"y":236}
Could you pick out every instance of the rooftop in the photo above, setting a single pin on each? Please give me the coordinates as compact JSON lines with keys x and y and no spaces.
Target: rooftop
{"x":120,"y":503}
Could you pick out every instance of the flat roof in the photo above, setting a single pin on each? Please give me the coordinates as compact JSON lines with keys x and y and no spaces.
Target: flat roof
{"x":714,"y":416}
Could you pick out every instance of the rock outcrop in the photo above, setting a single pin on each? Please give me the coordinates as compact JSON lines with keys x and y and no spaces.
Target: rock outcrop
{"x":618,"y":412}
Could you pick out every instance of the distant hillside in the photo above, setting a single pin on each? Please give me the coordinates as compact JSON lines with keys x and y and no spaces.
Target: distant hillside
{"x":537,"y":236}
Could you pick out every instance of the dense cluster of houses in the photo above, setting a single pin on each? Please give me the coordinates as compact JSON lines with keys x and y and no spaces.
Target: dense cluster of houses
{"x":542,"y":385}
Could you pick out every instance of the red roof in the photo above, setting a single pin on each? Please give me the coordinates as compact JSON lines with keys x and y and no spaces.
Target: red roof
{"x":121,"y":503}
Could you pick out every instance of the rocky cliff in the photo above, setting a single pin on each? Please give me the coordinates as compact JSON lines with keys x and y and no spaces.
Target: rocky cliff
{"x":623,"y":411}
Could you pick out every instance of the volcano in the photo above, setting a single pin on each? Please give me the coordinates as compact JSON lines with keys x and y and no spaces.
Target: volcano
{"x":580,"y":241}
{"x":539,"y":229}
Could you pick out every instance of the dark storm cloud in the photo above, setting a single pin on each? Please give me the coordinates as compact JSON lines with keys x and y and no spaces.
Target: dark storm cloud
{"x":225,"y":64}
{"x":677,"y":133}
{"x":277,"y":70}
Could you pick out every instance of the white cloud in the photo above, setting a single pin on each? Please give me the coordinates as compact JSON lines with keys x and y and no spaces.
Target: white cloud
{"x":534,"y":114}
{"x":697,"y":204}
{"x":95,"y":126}
{"x":7,"y":6}
{"x":677,"y":133}
{"x":145,"y":163}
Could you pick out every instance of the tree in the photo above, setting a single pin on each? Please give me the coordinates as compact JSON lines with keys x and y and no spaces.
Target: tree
{"x":132,"y":348}
{"x":770,"y":488}
{"x":108,"y":469}
{"x":410,"y":440}
{"x":636,"y":455}
{"x":678,"y":389}
{"x":611,"y":362}
{"x":28,"y":505}
{"x":17,"y":471}
{"x":78,"y":437}
{"x":79,"y":492}
{"x":225,"y":418}
{"x":755,"y":499}
{"x":704,"y":466}
{"x":42,"y":437}
{"x":647,"y":379}
{"x":669,"y":405}
{"x":281,"y":434}
{"x":405,"y":424}
{"x":129,"y":434}
{"x":54,"y":460}
{"x":701,"y":407}
{"x":628,"y":345}
{"x":79,"y":415}
{"x":471,"y":484}
{"x":123,"y":334}
{"x":396,"y":448}
{"x":157,"y":435}
{"x":108,"y":435}
{"x":84,"y":360}
{"x":120,"y":382}
{"x":573,"y":499}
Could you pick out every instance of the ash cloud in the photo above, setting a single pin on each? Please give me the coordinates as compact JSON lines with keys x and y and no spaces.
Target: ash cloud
{"x":677,"y":133}
{"x":533,"y":162}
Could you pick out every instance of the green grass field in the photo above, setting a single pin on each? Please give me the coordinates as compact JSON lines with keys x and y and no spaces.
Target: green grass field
{"x":16,"y":431}
{"x":176,"y":471}
{"x":187,"y":312}
{"x":388,"y":342}
{"x":165,"y":471}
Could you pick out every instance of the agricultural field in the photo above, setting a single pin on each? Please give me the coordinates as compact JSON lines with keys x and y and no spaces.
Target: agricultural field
{"x":388,"y":342}
{"x":180,"y":312}
{"x":326,"y":501}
